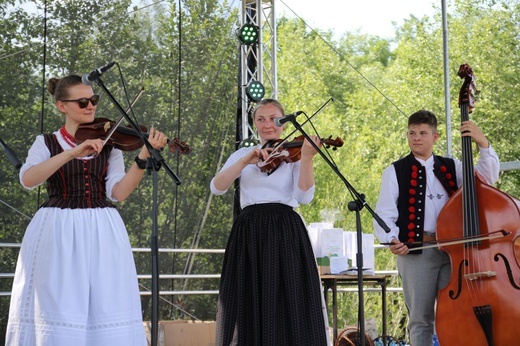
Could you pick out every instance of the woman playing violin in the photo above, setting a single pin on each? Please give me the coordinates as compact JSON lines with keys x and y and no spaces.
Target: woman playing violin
{"x":75,"y":280}
{"x":270,"y":292}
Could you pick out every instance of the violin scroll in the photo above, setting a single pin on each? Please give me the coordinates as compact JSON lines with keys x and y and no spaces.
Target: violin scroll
{"x":334,"y":143}
{"x":179,"y":147}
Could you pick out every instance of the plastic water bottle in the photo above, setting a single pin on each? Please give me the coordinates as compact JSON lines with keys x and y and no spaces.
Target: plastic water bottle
{"x":435,"y":340}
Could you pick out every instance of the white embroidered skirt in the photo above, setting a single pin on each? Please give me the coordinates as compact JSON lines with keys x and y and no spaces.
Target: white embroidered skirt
{"x":75,"y":282}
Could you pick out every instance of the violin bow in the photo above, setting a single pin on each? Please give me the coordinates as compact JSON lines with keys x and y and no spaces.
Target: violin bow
{"x":448,"y":242}
{"x":120,"y":120}
{"x":309,"y":118}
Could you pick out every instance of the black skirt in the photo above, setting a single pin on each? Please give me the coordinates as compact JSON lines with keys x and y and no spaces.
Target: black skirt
{"x":270,"y":290}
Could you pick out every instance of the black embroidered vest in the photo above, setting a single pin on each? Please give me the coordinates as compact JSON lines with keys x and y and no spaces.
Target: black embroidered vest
{"x":78,"y":183}
{"x":411,"y":177}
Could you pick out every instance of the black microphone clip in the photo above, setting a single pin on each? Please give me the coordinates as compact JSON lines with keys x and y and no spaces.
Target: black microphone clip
{"x":90,"y":78}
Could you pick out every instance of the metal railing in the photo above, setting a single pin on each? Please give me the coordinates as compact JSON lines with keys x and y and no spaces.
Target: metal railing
{"x":198,"y":276}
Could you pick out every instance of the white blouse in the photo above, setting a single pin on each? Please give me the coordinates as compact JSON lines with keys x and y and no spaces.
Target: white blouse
{"x":257,"y":187}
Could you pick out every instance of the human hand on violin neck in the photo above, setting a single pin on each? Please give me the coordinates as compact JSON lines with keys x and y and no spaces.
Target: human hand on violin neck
{"x":308,"y":151}
{"x":157,"y":140}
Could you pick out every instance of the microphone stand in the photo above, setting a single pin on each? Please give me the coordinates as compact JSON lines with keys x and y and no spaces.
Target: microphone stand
{"x":11,"y":156}
{"x":356,"y":205}
{"x":154,"y":163}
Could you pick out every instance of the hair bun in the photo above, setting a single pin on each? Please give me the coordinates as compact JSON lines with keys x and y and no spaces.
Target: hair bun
{"x":51,"y":87}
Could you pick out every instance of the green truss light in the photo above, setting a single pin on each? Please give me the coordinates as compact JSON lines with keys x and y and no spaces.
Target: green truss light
{"x":248,"y":34}
{"x":249,"y":142}
{"x":255,"y":91}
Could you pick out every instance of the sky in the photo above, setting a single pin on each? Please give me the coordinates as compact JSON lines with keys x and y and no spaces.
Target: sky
{"x":373,"y":17}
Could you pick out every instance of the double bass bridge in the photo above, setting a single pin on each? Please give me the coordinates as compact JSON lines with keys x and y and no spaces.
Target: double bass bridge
{"x":476,"y":276}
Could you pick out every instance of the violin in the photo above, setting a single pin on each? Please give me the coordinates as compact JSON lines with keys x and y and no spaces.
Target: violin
{"x":284,"y":151}
{"x":124,"y":138}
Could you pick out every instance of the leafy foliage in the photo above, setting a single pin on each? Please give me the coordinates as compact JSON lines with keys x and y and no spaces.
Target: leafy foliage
{"x":375,"y":90}
{"x":185,"y":57}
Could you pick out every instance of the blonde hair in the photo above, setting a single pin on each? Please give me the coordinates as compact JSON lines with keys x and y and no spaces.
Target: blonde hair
{"x":265,"y":102}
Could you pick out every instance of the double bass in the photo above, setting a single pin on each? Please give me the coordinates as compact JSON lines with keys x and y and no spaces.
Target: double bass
{"x":481,"y":303}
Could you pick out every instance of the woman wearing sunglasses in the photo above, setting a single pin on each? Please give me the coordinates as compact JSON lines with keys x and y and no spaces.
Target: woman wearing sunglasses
{"x":75,"y":280}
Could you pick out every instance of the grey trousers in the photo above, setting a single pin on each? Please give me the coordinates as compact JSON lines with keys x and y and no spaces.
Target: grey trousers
{"x":422,"y":276}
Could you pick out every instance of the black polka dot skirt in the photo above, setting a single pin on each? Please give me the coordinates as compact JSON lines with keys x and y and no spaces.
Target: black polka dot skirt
{"x":270,"y":290}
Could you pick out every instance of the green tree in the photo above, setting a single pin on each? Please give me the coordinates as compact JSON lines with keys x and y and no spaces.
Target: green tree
{"x":183,"y":80}
{"x":375,"y":90}
{"x":186,"y":59}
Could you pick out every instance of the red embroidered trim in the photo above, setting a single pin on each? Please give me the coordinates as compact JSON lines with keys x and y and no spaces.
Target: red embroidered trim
{"x":449,"y":178}
{"x":67,"y":137}
{"x":411,"y":209}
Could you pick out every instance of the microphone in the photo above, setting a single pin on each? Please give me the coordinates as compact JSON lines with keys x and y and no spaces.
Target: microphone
{"x":10,"y":155}
{"x":278,"y":122}
{"x":89,"y":79}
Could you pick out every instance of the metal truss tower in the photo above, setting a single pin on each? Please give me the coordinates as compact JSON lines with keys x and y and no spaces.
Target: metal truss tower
{"x":257,"y":61}
{"x":257,"y":64}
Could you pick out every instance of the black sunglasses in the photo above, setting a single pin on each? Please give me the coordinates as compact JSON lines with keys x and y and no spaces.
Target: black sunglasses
{"x":83,"y":102}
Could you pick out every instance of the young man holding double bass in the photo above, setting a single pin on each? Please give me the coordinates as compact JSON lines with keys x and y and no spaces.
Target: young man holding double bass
{"x":413,"y":191}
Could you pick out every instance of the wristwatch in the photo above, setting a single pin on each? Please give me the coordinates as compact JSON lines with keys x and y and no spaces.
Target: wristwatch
{"x":140,"y":163}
